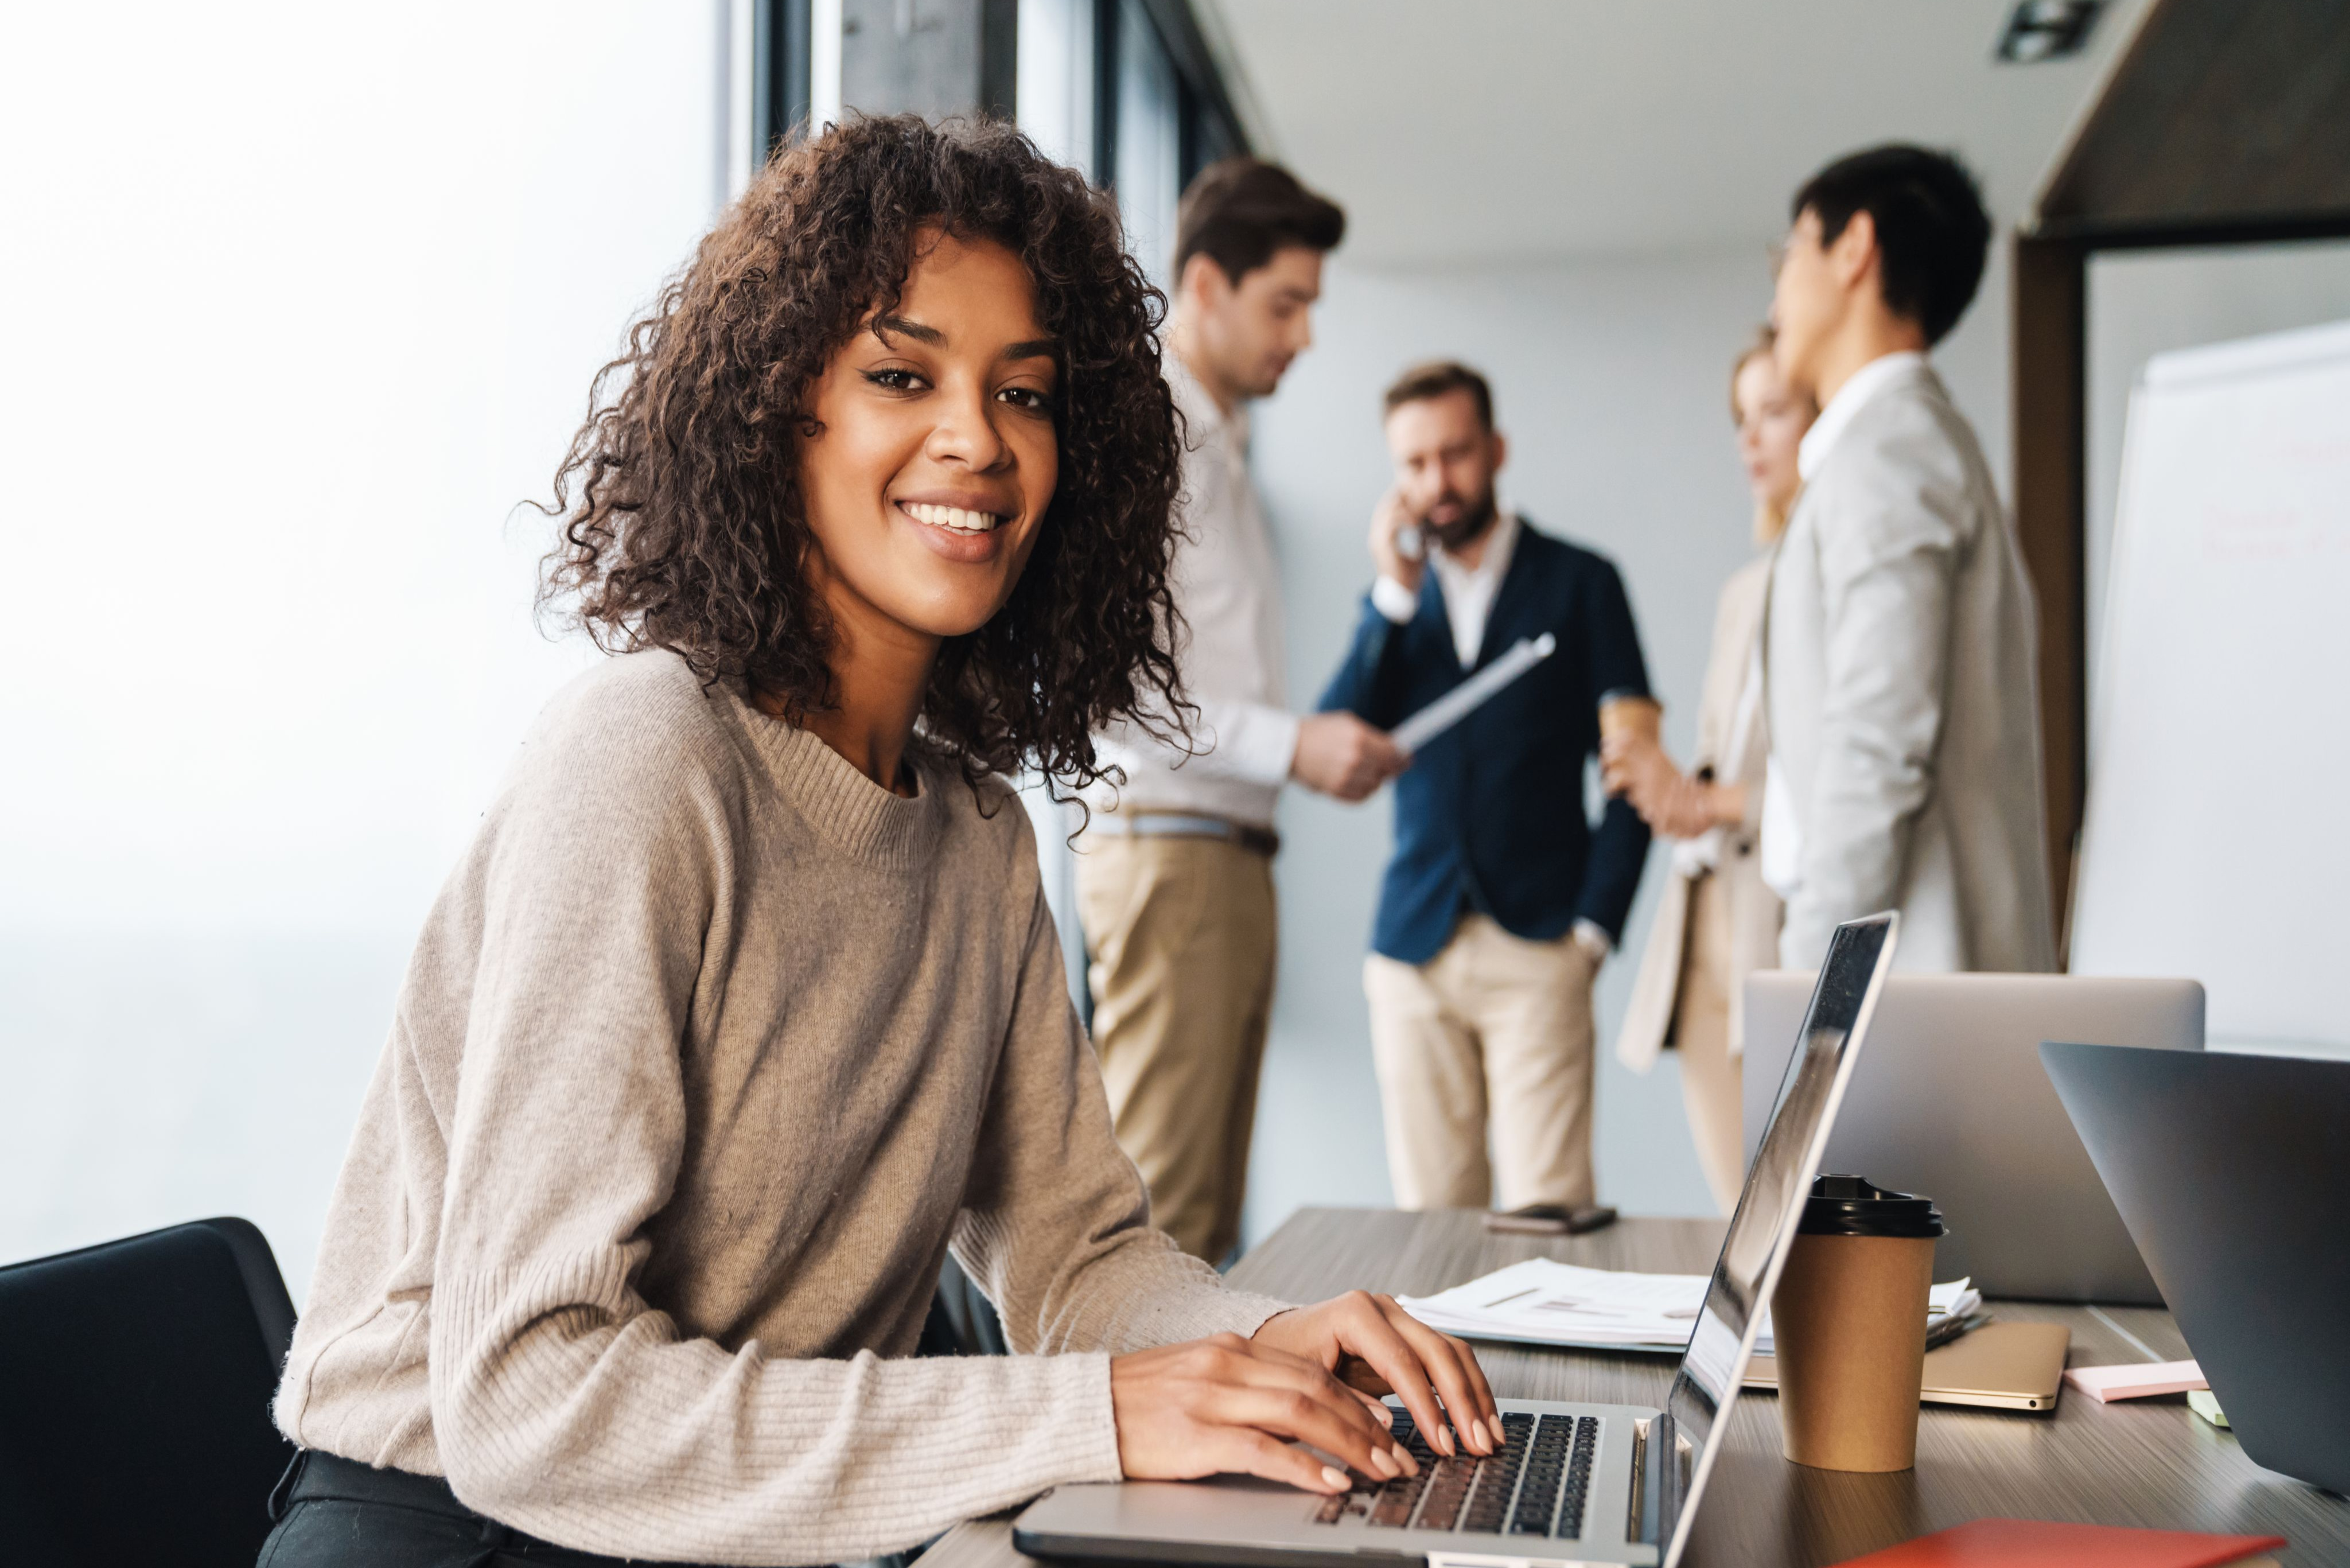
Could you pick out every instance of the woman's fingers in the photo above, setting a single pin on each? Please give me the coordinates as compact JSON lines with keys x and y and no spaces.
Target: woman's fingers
{"x":1306,"y":1417}
{"x":1441,"y":1364}
{"x":1259,"y":1406}
{"x":1372,"y":1345}
{"x":1417,"y":1362}
{"x":1241,"y":1451}
{"x":1284,"y":1371}
{"x":1454,"y":1367}
{"x":1367,"y":1333}
{"x":1271,"y":1365}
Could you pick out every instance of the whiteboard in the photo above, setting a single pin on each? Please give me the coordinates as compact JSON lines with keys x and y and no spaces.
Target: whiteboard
{"x":2217,"y":838}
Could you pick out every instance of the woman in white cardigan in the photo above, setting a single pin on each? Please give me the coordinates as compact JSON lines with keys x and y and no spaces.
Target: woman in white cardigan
{"x":1718,"y":920}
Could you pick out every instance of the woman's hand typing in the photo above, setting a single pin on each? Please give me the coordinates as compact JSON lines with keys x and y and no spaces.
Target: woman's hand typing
{"x":1372,"y":1345}
{"x":1312,"y":1375}
{"x":1227,"y":1405}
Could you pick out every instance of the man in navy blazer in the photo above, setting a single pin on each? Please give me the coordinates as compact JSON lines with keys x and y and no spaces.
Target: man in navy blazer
{"x":1501,"y":899}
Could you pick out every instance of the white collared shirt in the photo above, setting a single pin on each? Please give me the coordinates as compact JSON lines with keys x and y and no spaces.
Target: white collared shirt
{"x":1782,"y":847}
{"x":1851,"y":398}
{"x":1469,"y":591}
{"x":1227,"y":587}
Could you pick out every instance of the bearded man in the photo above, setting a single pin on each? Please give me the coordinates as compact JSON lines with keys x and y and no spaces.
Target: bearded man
{"x":1501,"y":899}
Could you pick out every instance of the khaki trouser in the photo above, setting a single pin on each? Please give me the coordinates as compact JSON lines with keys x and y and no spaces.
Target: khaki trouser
{"x":1709,"y":1074}
{"x":1181,"y":936}
{"x":1495,"y":1026}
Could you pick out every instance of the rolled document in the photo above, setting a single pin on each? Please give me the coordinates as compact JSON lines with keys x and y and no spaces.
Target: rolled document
{"x":1472,"y":693}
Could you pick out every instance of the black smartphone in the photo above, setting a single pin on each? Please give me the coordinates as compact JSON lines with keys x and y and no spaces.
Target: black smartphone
{"x":1551,"y":1220}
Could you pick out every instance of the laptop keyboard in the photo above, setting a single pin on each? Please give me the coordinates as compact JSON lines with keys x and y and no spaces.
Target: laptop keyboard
{"x":1536,"y":1486}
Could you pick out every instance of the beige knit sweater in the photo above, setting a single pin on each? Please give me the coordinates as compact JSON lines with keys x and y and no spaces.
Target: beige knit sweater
{"x":709,"y":1051}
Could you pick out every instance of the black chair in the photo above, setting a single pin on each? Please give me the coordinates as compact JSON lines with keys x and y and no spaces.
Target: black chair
{"x":962,"y":1320}
{"x":134,"y":1401}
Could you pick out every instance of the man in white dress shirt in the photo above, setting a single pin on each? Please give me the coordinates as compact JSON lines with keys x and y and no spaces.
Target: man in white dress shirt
{"x":1175,"y":872}
{"x":1901,"y":660}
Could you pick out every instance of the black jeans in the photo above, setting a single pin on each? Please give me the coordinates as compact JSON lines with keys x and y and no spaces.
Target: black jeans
{"x":336,"y":1513}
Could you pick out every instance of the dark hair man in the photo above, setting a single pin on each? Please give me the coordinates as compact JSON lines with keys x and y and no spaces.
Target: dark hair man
{"x":1175,"y":883}
{"x":1900,"y":667}
{"x":1501,"y":901}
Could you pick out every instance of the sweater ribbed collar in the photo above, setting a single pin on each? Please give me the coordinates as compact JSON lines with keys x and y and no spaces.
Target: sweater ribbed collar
{"x":843,"y":807}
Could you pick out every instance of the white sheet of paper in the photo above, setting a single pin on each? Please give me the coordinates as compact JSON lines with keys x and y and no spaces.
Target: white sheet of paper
{"x":1544,"y":1301}
{"x":1472,"y":693}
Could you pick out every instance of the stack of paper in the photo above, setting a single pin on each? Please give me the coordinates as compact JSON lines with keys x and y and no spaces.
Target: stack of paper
{"x":1542,"y":1302}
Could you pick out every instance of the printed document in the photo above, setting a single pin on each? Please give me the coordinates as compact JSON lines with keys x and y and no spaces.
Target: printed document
{"x":1543,"y":1302}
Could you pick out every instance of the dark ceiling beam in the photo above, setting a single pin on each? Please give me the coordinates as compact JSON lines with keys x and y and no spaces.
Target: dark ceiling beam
{"x":2222,"y":112}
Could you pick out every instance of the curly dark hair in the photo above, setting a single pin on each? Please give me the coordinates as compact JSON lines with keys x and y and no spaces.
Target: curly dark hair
{"x":683,"y":522}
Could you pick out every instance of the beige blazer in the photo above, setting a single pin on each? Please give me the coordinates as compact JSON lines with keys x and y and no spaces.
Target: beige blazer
{"x":1753,"y":908}
{"x":1902,"y":674}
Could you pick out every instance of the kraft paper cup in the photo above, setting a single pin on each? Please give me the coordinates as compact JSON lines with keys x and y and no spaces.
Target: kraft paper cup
{"x":1623,"y":713}
{"x":1848,"y":1328}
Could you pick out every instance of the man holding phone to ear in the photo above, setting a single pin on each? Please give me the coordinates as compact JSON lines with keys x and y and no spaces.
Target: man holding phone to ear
{"x":1501,"y":900}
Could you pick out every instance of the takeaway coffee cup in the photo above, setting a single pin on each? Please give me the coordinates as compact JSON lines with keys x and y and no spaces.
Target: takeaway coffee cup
{"x":1627,"y":713}
{"x":1848,"y":1326}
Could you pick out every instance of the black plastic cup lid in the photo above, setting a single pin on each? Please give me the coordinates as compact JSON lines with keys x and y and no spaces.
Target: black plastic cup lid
{"x":1850,"y":1206}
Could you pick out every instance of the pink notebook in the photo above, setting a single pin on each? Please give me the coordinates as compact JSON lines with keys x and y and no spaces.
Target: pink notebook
{"x":2034,"y":1543}
{"x":2136,"y":1380}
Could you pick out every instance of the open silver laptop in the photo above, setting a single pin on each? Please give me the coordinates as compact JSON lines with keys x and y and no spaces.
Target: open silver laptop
{"x":1573,"y":1483}
{"x":1952,"y":1103}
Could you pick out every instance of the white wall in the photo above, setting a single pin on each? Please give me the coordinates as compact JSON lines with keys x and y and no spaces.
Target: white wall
{"x":305,"y":300}
{"x":2144,"y":302}
{"x":1611,"y":381}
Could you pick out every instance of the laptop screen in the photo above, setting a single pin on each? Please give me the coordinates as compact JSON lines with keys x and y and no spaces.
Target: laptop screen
{"x":1769,"y":1210}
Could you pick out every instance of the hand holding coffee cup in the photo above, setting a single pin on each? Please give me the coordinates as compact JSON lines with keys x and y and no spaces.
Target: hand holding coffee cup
{"x":1848,"y":1326}
{"x":1631,"y":724}
{"x":1634,"y":715}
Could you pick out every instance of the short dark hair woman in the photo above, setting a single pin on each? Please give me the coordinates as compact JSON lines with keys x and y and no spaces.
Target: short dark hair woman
{"x":744,"y":1006}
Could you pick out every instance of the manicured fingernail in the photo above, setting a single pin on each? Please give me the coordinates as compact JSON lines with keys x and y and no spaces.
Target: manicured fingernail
{"x":1334,"y":1478}
{"x":1486,"y":1434}
{"x":1444,"y":1439}
{"x":1411,"y":1465}
{"x":1385,"y":1463}
{"x":1385,"y":1416}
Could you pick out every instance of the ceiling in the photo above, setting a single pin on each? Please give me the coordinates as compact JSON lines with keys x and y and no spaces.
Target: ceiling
{"x":1459,"y":131}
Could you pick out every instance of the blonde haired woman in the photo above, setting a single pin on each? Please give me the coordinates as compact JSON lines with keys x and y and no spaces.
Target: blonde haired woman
{"x":1718,"y":920}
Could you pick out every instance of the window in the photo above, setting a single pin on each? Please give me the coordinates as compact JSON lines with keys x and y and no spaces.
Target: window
{"x":1147,"y":166}
{"x":307,"y":301}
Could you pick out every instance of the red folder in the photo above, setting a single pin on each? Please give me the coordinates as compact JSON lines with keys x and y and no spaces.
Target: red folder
{"x":2034,"y":1543}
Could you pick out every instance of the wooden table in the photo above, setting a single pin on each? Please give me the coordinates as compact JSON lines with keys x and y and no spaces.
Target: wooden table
{"x":2150,"y":1462}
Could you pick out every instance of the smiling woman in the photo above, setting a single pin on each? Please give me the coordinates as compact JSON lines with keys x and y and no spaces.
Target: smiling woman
{"x":744,"y":1007}
{"x":788,"y":383}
